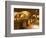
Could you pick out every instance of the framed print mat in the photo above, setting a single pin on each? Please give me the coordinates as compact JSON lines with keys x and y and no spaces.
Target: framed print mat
{"x":24,"y":18}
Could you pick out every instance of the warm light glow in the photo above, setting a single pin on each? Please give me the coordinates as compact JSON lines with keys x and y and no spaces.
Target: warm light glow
{"x":34,"y":15}
{"x":22,"y":15}
{"x":25,"y":12}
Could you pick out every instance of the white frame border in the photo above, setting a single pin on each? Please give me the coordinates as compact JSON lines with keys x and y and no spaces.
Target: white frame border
{"x":26,"y":30}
